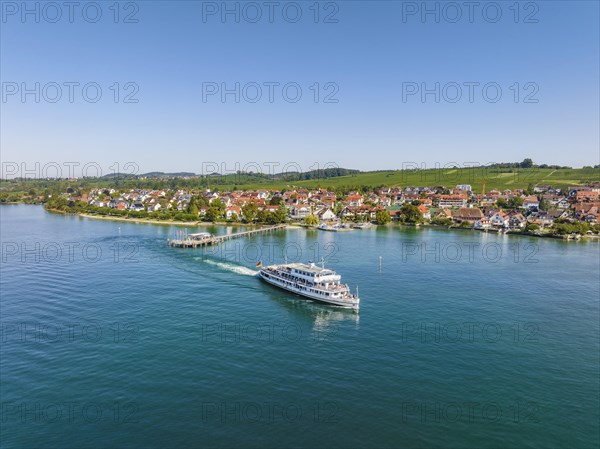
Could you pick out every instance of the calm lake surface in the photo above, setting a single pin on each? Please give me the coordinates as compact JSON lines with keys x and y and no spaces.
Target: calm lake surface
{"x":463,"y":339}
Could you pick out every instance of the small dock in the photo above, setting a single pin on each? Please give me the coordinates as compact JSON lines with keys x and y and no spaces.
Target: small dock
{"x":216,"y":240}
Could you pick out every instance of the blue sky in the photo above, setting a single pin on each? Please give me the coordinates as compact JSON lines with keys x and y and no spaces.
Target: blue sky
{"x":376,"y":51}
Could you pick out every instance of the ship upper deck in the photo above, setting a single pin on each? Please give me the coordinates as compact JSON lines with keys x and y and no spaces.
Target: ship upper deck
{"x":310,"y":270}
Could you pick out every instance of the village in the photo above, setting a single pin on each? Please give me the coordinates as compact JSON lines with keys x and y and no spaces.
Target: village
{"x":536,"y":209}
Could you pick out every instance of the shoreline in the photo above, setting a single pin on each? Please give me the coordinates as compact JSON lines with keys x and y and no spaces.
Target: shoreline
{"x":171,"y":222}
{"x":300,"y":226}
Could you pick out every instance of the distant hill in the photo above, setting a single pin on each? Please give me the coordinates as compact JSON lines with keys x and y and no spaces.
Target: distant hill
{"x":116,"y":175}
{"x":316,"y":174}
{"x":160,"y":174}
{"x":287,"y":176}
{"x":154,"y":174}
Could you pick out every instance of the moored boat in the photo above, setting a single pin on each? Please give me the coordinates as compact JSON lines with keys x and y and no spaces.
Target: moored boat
{"x":335,"y":228}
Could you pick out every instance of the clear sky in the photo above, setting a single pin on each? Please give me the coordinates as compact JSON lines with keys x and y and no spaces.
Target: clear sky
{"x":375,"y":59}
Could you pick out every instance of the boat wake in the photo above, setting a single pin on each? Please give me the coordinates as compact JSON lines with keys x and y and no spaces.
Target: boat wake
{"x":239,"y":269}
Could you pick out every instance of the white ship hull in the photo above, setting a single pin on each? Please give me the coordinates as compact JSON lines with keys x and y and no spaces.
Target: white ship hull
{"x":344,"y":299}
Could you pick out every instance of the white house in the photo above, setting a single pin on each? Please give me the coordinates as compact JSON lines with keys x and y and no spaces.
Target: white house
{"x":499,"y":219}
{"x":300,"y":212}
{"x":530,"y":202}
{"x":153,"y":207}
{"x":517,"y":221}
{"x":483,"y":223}
{"x":262,"y":194}
{"x":326,"y":214}
{"x":562,"y":203}
{"x":137,"y":207}
{"x":452,"y":200}
{"x":232,"y":211}
{"x":354,"y":200}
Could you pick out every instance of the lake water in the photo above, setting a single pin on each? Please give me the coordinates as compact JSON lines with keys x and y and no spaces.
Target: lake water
{"x":463,"y":339}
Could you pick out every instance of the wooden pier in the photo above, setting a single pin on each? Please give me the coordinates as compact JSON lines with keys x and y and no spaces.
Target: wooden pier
{"x":216,"y":240}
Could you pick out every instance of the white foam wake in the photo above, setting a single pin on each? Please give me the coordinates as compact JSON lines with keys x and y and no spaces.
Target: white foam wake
{"x":239,"y":269}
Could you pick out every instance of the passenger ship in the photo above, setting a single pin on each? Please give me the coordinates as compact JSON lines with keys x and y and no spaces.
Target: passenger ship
{"x":311,"y":281}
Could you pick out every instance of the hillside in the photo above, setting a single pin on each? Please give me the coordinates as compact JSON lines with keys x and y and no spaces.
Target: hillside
{"x":494,"y":178}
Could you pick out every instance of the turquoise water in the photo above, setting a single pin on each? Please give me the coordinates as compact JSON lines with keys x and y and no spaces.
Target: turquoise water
{"x":124,"y":342}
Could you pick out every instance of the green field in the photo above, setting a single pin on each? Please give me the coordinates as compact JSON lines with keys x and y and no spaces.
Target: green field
{"x":494,"y":178}
{"x":476,"y":177}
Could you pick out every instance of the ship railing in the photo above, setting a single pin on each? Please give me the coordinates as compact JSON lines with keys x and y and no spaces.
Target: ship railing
{"x":339,"y":288}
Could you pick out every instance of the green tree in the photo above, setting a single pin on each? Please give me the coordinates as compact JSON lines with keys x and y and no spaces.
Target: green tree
{"x":276,"y":201}
{"x":213,"y":214}
{"x":564,"y":227}
{"x":527,"y":163}
{"x":410,"y":214}
{"x":515,"y":202}
{"x":338,"y":208}
{"x":249,"y":212}
{"x":442,"y":221}
{"x":217,"y":203}
{"x":192,"y":207}
{"x":311,"y":220}
{"x":531,"y":227}
{"x":382,"y":217}
{"x":262,"y":216}
{"x":529,"y":189}
{"x":280,"y":215}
